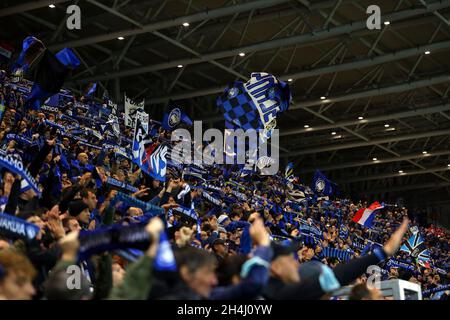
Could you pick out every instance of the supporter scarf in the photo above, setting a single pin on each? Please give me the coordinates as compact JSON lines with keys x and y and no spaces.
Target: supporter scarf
{"x":211,"y":199}
{"x":16,"y":228}
{"x":211,"y":187}
{"x":429,"y":292}
{"x":18,"y":138}
{"x":342,"y":255}
{"x":187,"y":212}
{"x":90,"y":145}
{"x":50,"y":109}
{"x":74,"y":137}
{"x":133,"y":202}
{"x":121,"y":185}
{"x":55,"y":125}
{"x":16,"y":166}
{"x":399,"y":264}
{"x":112,"y":238}
{"x":305,"y":228}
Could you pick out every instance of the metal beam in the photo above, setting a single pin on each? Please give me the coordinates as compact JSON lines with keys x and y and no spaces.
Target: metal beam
{"x":178,"y":21}
{"x":30,"y":5}
{"x":375,"y":92}
{"x":357,"y":64}
{"x":385,"y":117}
{"x":168,"y":39}
{"x":405,"y":188}
{"x":354,"y":164}
{"x":272,"y":44}
{"x":371,"y":142}
{"x":394,"y":175}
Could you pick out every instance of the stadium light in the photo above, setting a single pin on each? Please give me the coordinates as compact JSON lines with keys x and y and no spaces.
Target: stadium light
{"x":427,"y":52}
{"x":306,"y":126}
{"x":180,"y":66}
{"x":289,"y":80}
{"x":374,"y":159}
{"x":120,"y":38}
{"x":241,"y":54}
{"x":400,"y":171}
{"x":386,"y":23}
{"x":424,"y":152}
{"x":386,"y":125}
{"x":323,"y":98}
{"x":360,"y":118}
{"x":185,"y":24}
{"x":333,"y":133}
{"x":52,"y":6}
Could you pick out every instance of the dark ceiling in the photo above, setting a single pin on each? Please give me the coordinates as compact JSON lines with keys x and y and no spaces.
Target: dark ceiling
{"x":322,"y":47}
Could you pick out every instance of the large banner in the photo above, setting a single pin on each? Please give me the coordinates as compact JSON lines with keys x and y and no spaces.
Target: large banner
{"x":131,"y":109}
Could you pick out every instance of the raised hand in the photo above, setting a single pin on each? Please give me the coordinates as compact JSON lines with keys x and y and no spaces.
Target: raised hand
{"x":55,"y":226}
{"x":69,"y":245}
{"x":394,"y":242}
{"x":258,"y":233}
{"x":154,"y":229}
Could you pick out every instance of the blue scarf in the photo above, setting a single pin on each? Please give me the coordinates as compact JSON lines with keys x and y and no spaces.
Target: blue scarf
{"x":121,"y":185}
{"x":429,"y":292}
{"x":148,"y":208}
{"x":399,"y":264}
{"x":342,"y":255}
{"x":211,"y":199}
{"x":112,"y":238}
{"x":13,"y":227}
{"x":16,"y":166}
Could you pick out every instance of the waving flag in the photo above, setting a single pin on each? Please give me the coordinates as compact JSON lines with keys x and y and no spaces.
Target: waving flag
{"x":90,"y":89}
{"x":150,"y":156}
{"x":175,"y":117}
{"x":365,"y":216}
{"x":416,"y":247}
{"x":130,"y":111}
{"x":289,"y":170}
{"x":322,"y":185}
{"x":254,"y":104}
{"x":47,"y":70}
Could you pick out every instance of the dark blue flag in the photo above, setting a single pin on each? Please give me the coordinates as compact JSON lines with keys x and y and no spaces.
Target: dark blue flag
{"x":173,"y":118}
{"x":322,"y":185}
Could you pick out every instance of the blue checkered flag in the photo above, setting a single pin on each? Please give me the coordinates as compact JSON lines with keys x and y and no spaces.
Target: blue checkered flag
{"x":254,"y":104}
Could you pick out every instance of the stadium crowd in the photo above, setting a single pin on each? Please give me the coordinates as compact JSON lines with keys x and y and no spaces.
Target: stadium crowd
{"x":218,"y":234}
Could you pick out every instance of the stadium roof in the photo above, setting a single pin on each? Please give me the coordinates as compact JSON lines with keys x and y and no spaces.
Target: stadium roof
{"x":371,"y":107}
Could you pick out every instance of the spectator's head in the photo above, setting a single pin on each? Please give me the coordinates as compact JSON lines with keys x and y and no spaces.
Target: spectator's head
{"x":362,"y":292}
{"x":16,"y":275}
{"x":71,"y":224}
{"x":83,"y":158}
{"x":229,"y":270}
{"x":80,"y":211}
{"x":118,"y":273}
{"x":196,"y":269}
{"x":67,"y":284}
{"x":219,"y":247}
{"x":284,"y":266}
{"x":89,"y":198}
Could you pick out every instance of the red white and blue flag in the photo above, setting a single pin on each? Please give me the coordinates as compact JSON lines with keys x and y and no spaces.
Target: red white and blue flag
{"x":364,"y":216}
